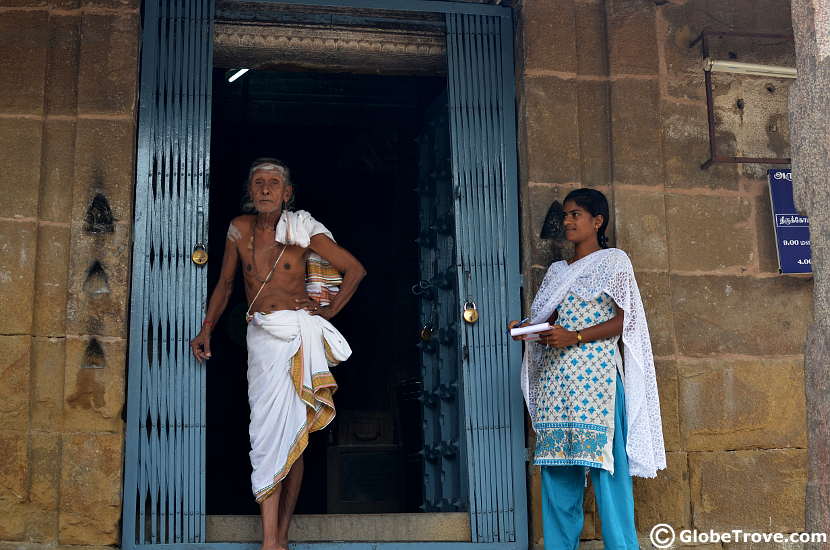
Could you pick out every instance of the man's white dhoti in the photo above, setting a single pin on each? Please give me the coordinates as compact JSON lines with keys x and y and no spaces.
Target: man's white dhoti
{"x":290,"y":389}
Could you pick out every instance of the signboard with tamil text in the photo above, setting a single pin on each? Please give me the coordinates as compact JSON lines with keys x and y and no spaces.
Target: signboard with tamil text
{"x":792,"y":230}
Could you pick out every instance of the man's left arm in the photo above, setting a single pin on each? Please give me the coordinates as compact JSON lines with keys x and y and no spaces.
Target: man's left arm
{"x":351,"y":268}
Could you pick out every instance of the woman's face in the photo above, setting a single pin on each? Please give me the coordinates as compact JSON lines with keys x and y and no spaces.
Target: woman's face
{"x":580,"y":225}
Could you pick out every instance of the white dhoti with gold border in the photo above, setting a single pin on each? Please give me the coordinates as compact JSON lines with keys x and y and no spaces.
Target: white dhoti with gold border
{"x":290,"y":389}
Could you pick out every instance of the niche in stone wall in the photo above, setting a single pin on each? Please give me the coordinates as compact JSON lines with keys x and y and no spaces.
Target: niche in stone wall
{"x":94,"y":357}
{"x":96,"y":282}
{"x":99,"y":218}
{"x":89,"y":391}
{"x":552,"y":233}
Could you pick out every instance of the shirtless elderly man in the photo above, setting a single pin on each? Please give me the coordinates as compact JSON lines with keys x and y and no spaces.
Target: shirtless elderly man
{"x":291,"y":344}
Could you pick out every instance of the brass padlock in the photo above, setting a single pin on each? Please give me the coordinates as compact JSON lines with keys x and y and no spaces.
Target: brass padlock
{"x":426,"y":333}
{"x":199,"y":255}
{"x":470,"y":313}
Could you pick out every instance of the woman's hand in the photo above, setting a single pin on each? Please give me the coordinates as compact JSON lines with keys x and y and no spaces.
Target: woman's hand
{"x":200,"y":346}
{"x":558,"y":337}
{"x":514,"y":324}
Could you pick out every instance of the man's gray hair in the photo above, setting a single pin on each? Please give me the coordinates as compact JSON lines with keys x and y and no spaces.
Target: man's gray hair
{"x":270,"y":163}
{"x":265,"y":163}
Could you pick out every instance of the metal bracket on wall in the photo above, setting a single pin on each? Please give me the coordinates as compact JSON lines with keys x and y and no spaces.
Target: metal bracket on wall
{"x":710,"y":110}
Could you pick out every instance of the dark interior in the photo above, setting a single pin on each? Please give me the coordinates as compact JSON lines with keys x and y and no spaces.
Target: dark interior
{"x":349,"y":141}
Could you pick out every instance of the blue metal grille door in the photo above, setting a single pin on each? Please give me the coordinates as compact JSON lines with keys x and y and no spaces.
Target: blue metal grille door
{"x":164,"y":484}
{"x":482,"y":123}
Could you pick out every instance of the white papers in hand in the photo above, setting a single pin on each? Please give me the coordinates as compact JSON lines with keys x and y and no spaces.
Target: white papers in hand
{"x":530,"y":329}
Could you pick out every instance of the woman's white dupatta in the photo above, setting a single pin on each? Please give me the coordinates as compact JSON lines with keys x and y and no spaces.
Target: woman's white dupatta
{"x":608,"y":271}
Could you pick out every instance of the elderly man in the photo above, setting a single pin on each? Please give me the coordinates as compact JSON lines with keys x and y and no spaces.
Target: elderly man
{"x":291,"y":344}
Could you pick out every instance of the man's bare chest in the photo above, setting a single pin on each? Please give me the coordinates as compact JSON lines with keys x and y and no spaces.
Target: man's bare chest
{"x":286,"y":262}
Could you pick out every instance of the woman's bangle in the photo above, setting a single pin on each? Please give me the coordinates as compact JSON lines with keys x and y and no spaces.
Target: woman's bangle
{"x":579,"y":337}
{"x":207,"y":324}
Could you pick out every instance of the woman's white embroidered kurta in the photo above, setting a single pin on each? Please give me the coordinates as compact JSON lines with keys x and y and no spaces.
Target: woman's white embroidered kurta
{"x":575,"y":411}
{"x":606,"y":271}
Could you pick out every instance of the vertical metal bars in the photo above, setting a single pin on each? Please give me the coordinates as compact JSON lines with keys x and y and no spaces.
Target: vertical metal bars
{"x":164,"y":499}
{"x":483,"y":156}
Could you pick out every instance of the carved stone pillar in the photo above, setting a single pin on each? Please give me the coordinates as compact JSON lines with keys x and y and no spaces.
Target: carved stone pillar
{"x":810,"y":130}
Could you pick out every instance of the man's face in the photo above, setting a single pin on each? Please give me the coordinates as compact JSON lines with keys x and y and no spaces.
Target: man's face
{"x":269,"y":190}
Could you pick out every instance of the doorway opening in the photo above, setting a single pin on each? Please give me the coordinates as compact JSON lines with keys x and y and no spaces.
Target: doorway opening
{"x":471,"y":424}
{"x":350,"y":142}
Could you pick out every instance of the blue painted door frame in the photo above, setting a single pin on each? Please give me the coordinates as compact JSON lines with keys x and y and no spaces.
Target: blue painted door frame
{"x":164,"y":471}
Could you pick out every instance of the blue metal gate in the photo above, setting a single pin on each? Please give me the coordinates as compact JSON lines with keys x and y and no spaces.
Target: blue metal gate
{"x":482,"y":124}
{"x":164,"y":479}
{"x":164,"y":489}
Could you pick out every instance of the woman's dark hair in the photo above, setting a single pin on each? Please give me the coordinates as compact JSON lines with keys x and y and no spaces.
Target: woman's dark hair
{"x":594,"y":202}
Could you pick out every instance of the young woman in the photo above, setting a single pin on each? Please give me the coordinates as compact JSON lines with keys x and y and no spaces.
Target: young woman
{"x":592,"y":411}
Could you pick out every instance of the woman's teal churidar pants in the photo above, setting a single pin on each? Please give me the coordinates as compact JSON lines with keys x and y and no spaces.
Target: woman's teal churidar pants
{"x":563,"y":488}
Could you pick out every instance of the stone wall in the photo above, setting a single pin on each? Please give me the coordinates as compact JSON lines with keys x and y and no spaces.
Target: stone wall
{"x":613,"y":98}
{"x":610,"y":97}
{"x":68,"y":74}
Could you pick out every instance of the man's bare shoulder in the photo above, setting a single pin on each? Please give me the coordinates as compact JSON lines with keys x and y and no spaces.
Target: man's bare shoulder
{"x":243,"y":221}
{"x":240,"y":227}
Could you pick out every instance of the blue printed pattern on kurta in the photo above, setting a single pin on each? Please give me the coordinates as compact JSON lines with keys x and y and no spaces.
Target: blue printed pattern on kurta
{"x":576,"y":410}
